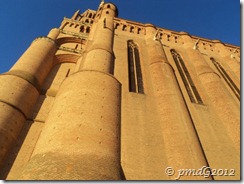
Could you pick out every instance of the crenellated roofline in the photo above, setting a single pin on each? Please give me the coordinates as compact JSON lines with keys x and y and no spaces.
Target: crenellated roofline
{"x":142,"y":28}
{"x":168,"y":31}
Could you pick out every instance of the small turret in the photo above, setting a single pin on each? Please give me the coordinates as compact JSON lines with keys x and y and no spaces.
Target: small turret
{"x":75,"y":15}
{"x":107,"y":9}
{"x":100,"y":56}
{"x":110,"y":9}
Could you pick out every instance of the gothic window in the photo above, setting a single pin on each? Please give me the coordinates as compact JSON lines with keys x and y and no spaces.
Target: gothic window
{"x":227,"y":78}
{"x":186,"y":78}
{"x":134,"y":66}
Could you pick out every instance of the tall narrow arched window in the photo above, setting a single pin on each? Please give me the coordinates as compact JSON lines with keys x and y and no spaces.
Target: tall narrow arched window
{"x":227,"y":78}
{"x":186,"y":78}
{"x":134,"y":65}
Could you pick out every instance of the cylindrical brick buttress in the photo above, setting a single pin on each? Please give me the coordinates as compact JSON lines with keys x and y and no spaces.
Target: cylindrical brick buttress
{"x":227,"y":110}
{"x":81,"y":138}
{"x":20,"y":89}
{"x":181,"y":144}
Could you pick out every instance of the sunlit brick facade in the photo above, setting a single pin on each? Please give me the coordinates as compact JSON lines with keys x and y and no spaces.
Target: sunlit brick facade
{"x":104,"y":98}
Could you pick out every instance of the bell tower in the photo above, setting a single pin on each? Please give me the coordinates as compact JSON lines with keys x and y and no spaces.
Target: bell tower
{"x":81,"y":137}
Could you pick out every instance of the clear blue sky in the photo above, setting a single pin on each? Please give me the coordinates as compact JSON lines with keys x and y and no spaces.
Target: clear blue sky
{"x":24,"y":20}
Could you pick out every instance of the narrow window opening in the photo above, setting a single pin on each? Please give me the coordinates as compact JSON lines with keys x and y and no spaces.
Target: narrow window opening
{"x":124,"y":28}
{"x":160,"y":36}
{"x":107,"y":12}
{"x":176,"y":39}
{"x":227,"y":78}
{"x":168,"y":37}
{"x":134,"y":67}
{"x":108,"y":6}
{"x":139,"y":31}
{"x":132,"y":80}
{"x":64,"y":25}
{"x":88,"y":30}
{"x":186,"y":78}
{"x":67,"y":74}
{"x":116,"y":26}
{"x":138,"y":71}
{"x":82,"y":29}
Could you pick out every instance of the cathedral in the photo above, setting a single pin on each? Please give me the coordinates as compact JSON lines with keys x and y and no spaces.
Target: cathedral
{"x":104,"y":98}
